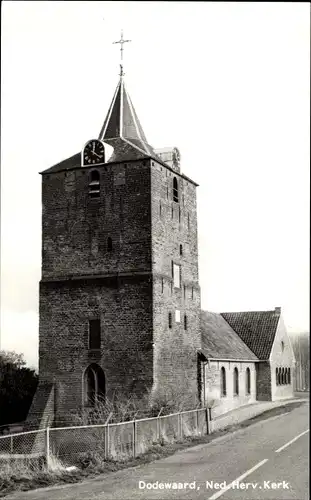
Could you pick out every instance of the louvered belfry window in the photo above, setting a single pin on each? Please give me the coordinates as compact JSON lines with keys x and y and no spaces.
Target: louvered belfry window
{"x":94,"y":184}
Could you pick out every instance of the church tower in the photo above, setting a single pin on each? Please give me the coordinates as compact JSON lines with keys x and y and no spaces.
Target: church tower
{"x":119,"y":292}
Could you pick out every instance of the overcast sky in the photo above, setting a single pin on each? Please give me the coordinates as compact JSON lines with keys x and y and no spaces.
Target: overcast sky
{"x":227,"y":83}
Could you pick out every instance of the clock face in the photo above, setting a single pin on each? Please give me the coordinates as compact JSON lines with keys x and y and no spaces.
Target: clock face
{"x":94,"y":152}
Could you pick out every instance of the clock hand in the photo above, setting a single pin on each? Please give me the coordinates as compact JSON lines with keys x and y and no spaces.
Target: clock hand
{"x":96,"y":154}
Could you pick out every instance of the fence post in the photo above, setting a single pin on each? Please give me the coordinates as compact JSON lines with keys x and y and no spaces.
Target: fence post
{"x":180,"y":425}
{"x":107,"y":436}
{"x":106,"y":441}
{"x":134,"y":438}
{"x":11,"y":444}
{"x":207,"y":420}
{"x":158,"y":425}
{"x":47,"y":447}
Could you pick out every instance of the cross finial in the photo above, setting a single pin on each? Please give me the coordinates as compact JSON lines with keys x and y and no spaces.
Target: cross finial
{"x":122,"y":42}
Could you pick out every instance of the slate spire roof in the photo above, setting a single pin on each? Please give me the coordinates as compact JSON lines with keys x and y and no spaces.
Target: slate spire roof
{"x":122,"y":121}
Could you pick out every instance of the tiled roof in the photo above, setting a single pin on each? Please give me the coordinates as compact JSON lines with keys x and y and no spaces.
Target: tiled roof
{"x":220,"y":341}
{"x":257,"y":329}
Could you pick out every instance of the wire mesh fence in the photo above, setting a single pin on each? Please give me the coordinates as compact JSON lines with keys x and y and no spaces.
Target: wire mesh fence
{"x":23,"y":443}
{"x":110,"y":440}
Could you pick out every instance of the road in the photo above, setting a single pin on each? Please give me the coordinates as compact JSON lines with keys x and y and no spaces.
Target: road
{"x":266,"y":461}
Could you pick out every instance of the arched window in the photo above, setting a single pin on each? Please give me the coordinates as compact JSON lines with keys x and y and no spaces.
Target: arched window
{"x":109,"y":244}
{"x":248,"y":381}
{"x":94,"y":333}
{"x":289,"y":379}
{"x":277,"y":376}
{"x":223,"y":385}
{"x":185,"y":322}
{"x":170,"y":320}
{"x":175,"y":190}
{"x":180,"y":249}
{"x":93,"y":385}
{"x":236,"y":382}
{"x":94,"y":184}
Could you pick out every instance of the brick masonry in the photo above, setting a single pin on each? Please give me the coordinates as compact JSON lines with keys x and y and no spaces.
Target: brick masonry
{"x":264,"y":381}
{"x":174,"y":239}
{"x":129,"y":288}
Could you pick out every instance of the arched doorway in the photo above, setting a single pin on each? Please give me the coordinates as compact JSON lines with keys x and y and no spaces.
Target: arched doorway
{"x":94,"y":385}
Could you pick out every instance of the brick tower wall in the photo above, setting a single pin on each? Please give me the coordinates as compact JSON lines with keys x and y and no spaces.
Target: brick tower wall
{"x":81,"y":280}
{"x":175,"y":349}
{"x":125,"y":310}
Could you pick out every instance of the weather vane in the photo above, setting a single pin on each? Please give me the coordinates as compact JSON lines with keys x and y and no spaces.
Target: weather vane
{"x":122,"y":42}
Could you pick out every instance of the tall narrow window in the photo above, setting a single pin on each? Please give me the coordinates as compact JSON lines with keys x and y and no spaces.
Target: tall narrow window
{"x":277,"y":376}
{"x":180,"y":249}
{"x":285,"y":376}
{"x":236,"y":382}
{"x":170,"y":320}
{"x":185,"y":322}
{"x":160,"y":209}
{"x":248,"y":381}
{"x":109,"y":244}
{"x":162,"y":285}
{"x":282,"y":376}
{"x":94,"y":334}
{"x":184,"y":291}
{"x":289,"y":379}
{"x":175,"y":190}
{"x":223,"y":385}
{"x":94,"y":185}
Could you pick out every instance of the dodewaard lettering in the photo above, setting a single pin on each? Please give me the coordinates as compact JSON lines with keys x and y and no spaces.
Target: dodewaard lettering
{"x":157,"y":485}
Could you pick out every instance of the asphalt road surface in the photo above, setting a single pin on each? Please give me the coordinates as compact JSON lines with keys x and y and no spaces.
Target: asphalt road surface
{"x":266,"y":461}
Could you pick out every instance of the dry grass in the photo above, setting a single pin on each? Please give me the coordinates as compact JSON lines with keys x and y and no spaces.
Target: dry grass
{"x":28,"y":474}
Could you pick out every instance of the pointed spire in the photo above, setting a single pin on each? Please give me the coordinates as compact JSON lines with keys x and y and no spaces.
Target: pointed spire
{"x":121,"y":120}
